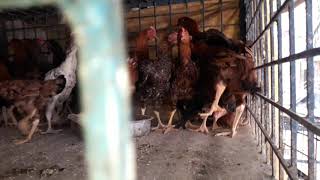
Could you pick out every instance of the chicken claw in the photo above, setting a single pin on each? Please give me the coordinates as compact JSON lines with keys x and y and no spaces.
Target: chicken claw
{"x":160,"y":126}
{"x":213,"y":109}
{"x":18,"y":142}
{"x":169,"y":128}
{"x":203,"y":129}
{"x":226,"y":133}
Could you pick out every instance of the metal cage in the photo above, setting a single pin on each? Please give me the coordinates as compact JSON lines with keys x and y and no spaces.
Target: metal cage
{"x":284,"y":37}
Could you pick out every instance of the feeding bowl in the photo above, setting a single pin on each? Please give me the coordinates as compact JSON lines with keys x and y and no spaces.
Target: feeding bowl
{"x":141,"y":125}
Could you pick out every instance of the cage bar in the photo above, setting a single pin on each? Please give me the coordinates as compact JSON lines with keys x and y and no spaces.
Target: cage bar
{"x":312,"y":164}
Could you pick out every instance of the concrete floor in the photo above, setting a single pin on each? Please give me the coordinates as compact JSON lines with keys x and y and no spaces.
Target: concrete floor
{"x":177,"y":155}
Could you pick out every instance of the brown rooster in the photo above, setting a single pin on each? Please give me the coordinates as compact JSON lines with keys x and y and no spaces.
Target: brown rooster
{"x":185,"y":76}
{"x":233,"y":74}
{"x":224,"y":65}
{"x":30,"y":97}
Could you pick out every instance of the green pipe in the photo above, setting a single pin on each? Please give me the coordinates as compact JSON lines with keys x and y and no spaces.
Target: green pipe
{"x":104,"y":84}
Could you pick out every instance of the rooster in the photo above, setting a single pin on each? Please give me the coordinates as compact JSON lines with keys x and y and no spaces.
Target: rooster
{"x":185,"y":75}
{"x":30,"y":97}
{"x":211,"y":37}
{"x":225,"y":65}
{"x":234,"y":74}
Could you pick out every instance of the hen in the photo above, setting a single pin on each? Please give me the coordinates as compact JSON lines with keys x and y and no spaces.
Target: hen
{"x":139,"y":54}
{"x":185,"y":76}
{"x":154,"y":79}
{"x":30,"y":97}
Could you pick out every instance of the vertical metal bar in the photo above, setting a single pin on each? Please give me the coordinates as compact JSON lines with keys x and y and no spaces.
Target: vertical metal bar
{"x":272,"y":86}
{"x":3,"y":39}
{"x":139,"y":15}
{"x":261,"y":59}
{"x":280,"y":89}
{"x":266,"y":82}
{"x":312,"y":173}
{"x":221,"y":15}
{"x":293,"y":123}
{"x":13,"y":29}
{"x":187,"y":7}
{"x":46,"y":29}
{"x":202,"y":15}
{"x":155,"y":24}
{"x":35,"y":30}
{"x":24,"y":29}
{"x":170,"y":15}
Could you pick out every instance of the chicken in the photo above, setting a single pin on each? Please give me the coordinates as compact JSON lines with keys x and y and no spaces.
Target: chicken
{"x":30,"y":97}
{"x":234,"y":73}
{"x":137,"y":56}
{"x":154,"y":78}
{"x":57,"y":109}
{"x":18,"y":58}
{"x":211,"y":37}
{"x":185,"y":75}
{"x":133,"y":73}
{"x":225,"y":65}
{"x":31,"y":58}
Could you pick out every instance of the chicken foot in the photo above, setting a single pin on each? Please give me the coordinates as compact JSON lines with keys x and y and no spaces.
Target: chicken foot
{"x":170,"y":127}
{"x":13,"y":118}
{"x":217,"y":116}
{"x":160,"y":124}
{"x":4,"y":115}
{"x":143,"y":110}
{"x":220,"y":87}
{"x":203,"y":128}
{"x":239,"y":111}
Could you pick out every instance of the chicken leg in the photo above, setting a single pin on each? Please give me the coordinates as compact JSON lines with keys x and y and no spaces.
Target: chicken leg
{"x":217,"y":116}
{"x":49,"y":111}
{"x":203,"y":128}
{"x":34,"y":127}
{"x":239,"y":111}
{"x":170,"y":126}
{"x":4,"y":115}
{"x":160,"y":124}
{"x":24,"y":124}
{"x":220,"y":87}
{"x":143,"y":110}
{"x":13,"y":118}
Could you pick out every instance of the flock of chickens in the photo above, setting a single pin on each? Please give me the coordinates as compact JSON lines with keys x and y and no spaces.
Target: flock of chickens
{"x":24,"y":95}
{"x":211,"y":76}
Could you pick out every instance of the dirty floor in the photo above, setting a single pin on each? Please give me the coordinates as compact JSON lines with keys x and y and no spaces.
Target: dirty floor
{"x":181,"y":155}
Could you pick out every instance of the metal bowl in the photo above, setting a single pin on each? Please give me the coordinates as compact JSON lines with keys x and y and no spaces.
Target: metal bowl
{"x":141,"y":125}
